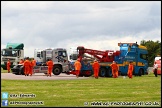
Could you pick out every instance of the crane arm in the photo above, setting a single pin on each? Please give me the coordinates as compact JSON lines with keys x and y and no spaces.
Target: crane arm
{"x":103,"y":56}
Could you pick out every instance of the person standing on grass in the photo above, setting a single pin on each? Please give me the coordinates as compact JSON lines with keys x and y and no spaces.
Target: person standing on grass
{"x":96,"y":67}
{"x":8,"y":65}
{"x":130,"y":69}
{"x":114,"y":68}
{"x":155,"y":68}
{"x":77,"y":65}
{"x":50,"y":67}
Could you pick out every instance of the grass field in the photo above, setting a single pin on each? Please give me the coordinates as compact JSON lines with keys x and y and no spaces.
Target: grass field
{"x":77,"y":92}
{"x":143,"y":91}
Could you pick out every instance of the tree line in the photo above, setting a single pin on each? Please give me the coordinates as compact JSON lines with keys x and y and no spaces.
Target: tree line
{"x":154,"y":49}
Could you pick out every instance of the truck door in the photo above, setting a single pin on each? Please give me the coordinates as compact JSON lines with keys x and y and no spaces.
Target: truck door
{"x":62,"y":57}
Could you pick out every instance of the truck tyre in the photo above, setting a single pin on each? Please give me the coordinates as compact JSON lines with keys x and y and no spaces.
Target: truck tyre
{"x":140,"y":72}
{"x":57,"y":70}
{"x":102,"y":72}
{"x":109,"y":72}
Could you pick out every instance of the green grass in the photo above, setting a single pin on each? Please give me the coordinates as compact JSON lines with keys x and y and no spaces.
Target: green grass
{"x":146,"y":89}
{"x":3,"y":71}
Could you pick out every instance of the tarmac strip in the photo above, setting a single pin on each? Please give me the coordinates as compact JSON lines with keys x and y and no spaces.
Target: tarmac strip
{"x":40,"y":76}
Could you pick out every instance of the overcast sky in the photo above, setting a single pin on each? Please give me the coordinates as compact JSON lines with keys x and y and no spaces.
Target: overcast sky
{"x":99,"y":25}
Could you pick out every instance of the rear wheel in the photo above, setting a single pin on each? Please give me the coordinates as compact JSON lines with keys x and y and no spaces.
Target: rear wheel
{"x":102,"y":72}
{"x":109,"y":72}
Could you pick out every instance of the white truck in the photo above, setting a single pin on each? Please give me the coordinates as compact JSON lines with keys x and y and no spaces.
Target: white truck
{"x":14,"y":52}
{"x":38,"y":56}
{"x":59,"y":56}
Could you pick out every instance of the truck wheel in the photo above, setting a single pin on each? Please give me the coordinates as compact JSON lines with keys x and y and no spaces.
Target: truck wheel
{"x":140,"y":72}
{"x":109,"y":72}
{"x":57,"y":70}
{"x":102,"y":72}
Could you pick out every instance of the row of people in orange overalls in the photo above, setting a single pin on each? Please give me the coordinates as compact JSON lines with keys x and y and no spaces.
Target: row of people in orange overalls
{"x":96,"y":67}
{"x":115,"y":69}
{"x":28,"y":66}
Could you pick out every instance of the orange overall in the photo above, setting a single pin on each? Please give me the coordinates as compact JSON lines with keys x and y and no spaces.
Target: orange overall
{"x":31,"y":68}
{"x":34,"y":62}
{"x":8,"y":66}
{"x":50,"y":67}
{"x":130,"y":70}
{"x":96,"y":67}
{"x":27,"y":67}
{"x":114,"y":68}
{"x":77,"y":65}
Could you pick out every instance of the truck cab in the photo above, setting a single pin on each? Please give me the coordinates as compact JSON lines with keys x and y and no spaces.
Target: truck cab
{"x":14,"y":52}
{"x":38,"y":56}
{"x":135,"y":53}
{"x":59,"y":57}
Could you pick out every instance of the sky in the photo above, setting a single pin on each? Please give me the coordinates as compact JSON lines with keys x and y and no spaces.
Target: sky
{"x":98,"y":25}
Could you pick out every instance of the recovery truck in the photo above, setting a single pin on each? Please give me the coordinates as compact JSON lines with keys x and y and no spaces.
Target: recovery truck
{"x":14,"y":52}
{"x":128,"y":52}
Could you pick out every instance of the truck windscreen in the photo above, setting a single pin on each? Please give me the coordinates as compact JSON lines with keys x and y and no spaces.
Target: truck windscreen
{"x":9,"y":52}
